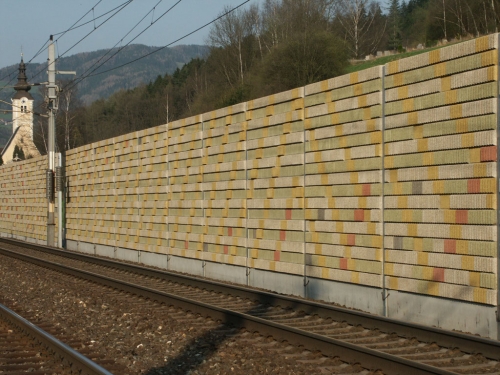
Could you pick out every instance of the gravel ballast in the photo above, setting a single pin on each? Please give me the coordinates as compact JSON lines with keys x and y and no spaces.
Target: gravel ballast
{"x":146,"y":337}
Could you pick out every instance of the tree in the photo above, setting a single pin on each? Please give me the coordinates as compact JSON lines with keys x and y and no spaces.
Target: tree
{"x":305,"y":59}
{"x":1,"y":160}
{"x":394,"y":26}
{"x":231,"y":40}
{"x":284,"y":19}
{"x":40,"y":135}
{"x":462,"y":18}
{"x":361,"y":25}
{"x":68,"y":135}
{"x":415,"y":22}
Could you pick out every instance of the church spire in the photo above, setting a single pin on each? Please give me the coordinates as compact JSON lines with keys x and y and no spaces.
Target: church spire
{"x":22,"y":86}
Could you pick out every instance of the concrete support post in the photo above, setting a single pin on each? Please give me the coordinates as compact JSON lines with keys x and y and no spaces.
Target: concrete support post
{"x":385,"y":291}
{"x":60,"y":189}
{"x":498,"y":196}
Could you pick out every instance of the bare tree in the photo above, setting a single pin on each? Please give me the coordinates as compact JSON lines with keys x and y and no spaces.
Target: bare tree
{"x":494,"y":15}
{"x":358,"y":20}
{"x":67,"y":114}
{"x":282,"y":19}
{"x":229,"y":35}
{"x":43,"y":133}
{"x":271,"y":21}
{"x":40,"y":125}
{"x":444,"y":20}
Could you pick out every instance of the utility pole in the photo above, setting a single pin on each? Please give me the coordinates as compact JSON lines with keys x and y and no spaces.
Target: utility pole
{"x":52,"y":105}
{"x":52,"y":109}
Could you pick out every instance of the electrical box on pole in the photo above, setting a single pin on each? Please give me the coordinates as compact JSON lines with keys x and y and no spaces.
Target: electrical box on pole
{"x":50,"y":185}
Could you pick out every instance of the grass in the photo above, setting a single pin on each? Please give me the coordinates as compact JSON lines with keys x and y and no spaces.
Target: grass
{"x":386,"y":59}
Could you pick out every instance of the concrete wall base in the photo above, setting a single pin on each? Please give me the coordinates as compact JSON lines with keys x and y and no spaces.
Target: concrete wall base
{"x":444,"y":313}
{"x":427,"y":310}
{"x":225,"y":272}
{"x":154,"y":260}
{"x":360,"y":297}
{"x":185,"y":265}
{"x":23,"y":238}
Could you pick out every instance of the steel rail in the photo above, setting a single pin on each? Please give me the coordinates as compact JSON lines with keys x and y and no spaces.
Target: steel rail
{"x":71,"y":357}
{"x":468,"y":343}
{"x":368,"y":358}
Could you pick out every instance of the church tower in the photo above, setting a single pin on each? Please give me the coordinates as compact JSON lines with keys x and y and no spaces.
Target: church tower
{"x":22,"y":120}
{"x":22,"y":104}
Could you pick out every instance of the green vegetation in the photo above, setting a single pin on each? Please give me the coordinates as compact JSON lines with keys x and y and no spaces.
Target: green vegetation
{"x":259,"y":51}
{"x":386,"y":59}
{"x":102,"y":86}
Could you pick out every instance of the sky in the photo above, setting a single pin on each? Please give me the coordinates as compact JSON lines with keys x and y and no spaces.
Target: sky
{"x":26,"y":25}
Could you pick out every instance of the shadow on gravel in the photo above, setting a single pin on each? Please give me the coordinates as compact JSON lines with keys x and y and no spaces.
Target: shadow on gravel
{"x":195,"y":353}
{"x":204,"y":347}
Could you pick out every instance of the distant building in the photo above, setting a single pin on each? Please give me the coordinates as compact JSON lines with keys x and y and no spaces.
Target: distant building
{"x":22,"y":119}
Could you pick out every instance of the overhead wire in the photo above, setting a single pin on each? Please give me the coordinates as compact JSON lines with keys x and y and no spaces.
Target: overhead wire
{"x":82,"y":17}
{"x":91,"y":21}
{"x":82,"y":76}
{"x":120,"y":8}
{"x":173,"y":42}
{"x":124,"y":5}
{"x":161,"y":48}
{"x":43,"y":48}
{"x":73,"y":27}
{"x":14,"y":71}
{"x":16,"y":106}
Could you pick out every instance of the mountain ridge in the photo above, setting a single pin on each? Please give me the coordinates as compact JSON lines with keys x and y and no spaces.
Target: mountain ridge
{"x":96,"y":87}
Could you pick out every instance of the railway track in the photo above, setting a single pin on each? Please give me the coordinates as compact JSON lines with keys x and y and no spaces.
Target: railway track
{"x":27,"y":349}
{"x":374,"y":342}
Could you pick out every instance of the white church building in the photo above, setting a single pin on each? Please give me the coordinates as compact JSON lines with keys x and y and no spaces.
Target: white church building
{"x":22,"y":120}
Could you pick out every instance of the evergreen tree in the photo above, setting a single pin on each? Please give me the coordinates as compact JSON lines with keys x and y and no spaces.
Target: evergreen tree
{"x":394,"y":26}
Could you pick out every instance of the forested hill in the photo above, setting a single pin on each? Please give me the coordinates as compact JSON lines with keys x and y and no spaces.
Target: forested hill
{"x":253,"y":52}
{"x":101,"y":86}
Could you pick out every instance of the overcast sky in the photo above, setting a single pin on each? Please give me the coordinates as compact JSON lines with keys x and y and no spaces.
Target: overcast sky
{"x":28,"y":24}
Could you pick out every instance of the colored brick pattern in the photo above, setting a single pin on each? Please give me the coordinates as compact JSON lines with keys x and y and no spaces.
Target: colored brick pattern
{"x":224,"y":185}
{"x":186,"y":222}
{"x":440,"y":164}
{"x":275,"y":164}
{"x":388,"y":171}
{"x":89,"y":209}
{"x":23,"y":203}
{"x":343,"y":179}
{"x":154,"y":187}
